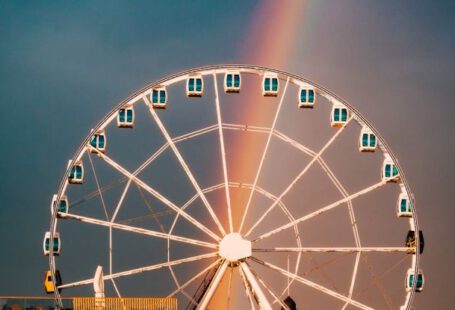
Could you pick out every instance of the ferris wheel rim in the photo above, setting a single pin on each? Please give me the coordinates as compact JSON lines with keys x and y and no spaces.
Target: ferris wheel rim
{"x":221,"y":68}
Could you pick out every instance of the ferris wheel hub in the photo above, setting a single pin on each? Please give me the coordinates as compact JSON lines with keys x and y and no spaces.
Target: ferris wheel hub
{"x":234,"y":248}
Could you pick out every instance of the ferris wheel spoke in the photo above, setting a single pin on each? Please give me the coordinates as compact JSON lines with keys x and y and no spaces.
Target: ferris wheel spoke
{"x":213,"y":285}
{"x":264,"y":153}
{"x":343,"y":192}
{"x":312,"y":284}
{"x":299,"y":176}
{"x":184,"y":293}
{"x":142,"y":269}
{"x":138,"y":230}
{"x":247,"y":289}
{"x":149,"y":160}
{"x":231,"y":271}
{"x":336,"y":249}
{"x":98,"y":186}
{"x":322,"y":210}
{"x":96,"y":193}
{"x":180,"y":288}
{"x":116,"y":288}
{"x":255,"y":289}
{"x":152,"y":213}
{"x":120,"y":202}
{"x":157,"y":195}
{"x":223,"y":153}
{"x":183,"y":164}
{"x":188,"y":135}
{"x":270,"y":291}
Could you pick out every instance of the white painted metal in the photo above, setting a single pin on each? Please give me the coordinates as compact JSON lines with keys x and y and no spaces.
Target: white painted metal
{"x":184,"y":165}
{"x":232,"y":88}
{"x":248,"y":291}
{"x":313,"y":285}
{"x":157,"y":102}
{"x":270,"y":291}
{"x":158,"y":196}
{"x":215,"y":70}
{"x":255,"y":288}
{"x":141,"y":269}
{"x":234,"y":248}
{"x":125,"y":123}
{"x":296,"y":179}
{"x":403,"y":197}
{"x":223,"y":154}
{"x":264,"y":153}
{"x":98,"y":282}
{"x":270,"y":77}
{"x":370,"y":135}
{"x":335,"y":249}
{"x":213,"y":286}
{"x":47,"y":250}
{"x":320,"y":211}
{"x":103,"y":204}
{"x":63,"y":199}
{"x":307,"y":103}
{"x":180,"y":288}
{"x":340,"y":109}
{"x":139,"y":230}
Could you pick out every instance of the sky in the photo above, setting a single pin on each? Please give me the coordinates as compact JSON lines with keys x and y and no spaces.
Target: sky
{"x":64,"y":65}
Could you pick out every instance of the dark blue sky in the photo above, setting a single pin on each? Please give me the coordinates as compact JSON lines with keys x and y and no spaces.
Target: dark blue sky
{"x":64,"y":64}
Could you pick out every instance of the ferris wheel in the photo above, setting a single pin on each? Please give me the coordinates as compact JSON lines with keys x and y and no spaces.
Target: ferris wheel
{"x":239,"y":186}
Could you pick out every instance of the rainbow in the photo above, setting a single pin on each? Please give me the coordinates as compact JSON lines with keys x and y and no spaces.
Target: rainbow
{"x":270,"y":41}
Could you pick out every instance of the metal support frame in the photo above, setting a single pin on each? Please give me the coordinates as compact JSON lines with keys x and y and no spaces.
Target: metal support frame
{"x":245,"y":270}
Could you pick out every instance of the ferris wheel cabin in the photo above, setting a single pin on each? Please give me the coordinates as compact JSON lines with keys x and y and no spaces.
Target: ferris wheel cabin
{"x":48,"y":284}
{"x":390,"y":171}
{"x":306,"y":97}
{"x":195,"y":86}
{"x":76,"y":175}
{"x":125,"y":117}
{"x":367,"y":140}
{"x":270,"y":85}
{"x":98,"y":142}
{"x":62,"y":206}
{"x":411,"y":242}
{"x":339,"y":116}
{"x":232,"y":82}
{"x":410,"y":280}
{"x":158,"y":97}
{"x":57,"y":244}
{"x":404,"y":206}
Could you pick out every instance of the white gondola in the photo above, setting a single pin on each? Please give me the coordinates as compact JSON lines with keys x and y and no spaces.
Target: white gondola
{"x":62,"y":207}
{"x":98,"y":142}
{"x":410,"y":280}
{"x":306,"y":97}
{"x":195,"y":86}
{"x":76,"y":175}
{"x":339,"y":116}
{"x":125,"y":117}
{"x":367,"y":140}
{"x":57,"y":246}
{"x":158,"y":98}
{"x":270,"y":85}
{"x":390,"y":170}
{"x":404,"y":206}
{"x":232,"y":82}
